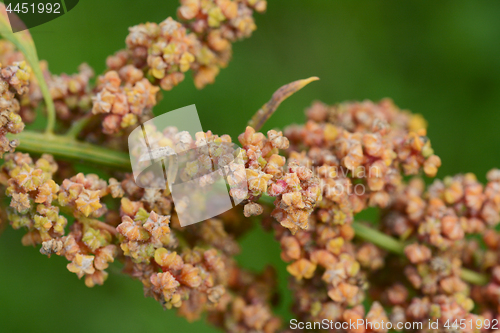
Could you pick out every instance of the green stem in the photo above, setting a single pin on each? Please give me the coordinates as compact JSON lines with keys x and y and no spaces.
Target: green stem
{"x":68,"y":148}
{"x":473,"y":277}
{"x":64,"y":6}
{"x":378,"y":238}
{"x":51,"y":111}
{"x":78,"y":126}
{"x":390,"y":244}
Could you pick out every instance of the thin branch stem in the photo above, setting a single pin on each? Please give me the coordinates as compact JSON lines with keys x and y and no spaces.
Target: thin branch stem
{"x":89,"y":221}
{"x":390,"y":244}
{"x":99,"y":225}
{"x":378,"y":238}
{"x":78,"y":126}
{"x":474,"y":277}
{"x":267,"y":110}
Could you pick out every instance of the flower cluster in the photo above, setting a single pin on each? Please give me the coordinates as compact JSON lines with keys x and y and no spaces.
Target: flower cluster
{"x":37,"y":202}
{"x":295,"y":188}
{"x":71,"y":93}
{"x":448,"y":211}
{"x":359,"y":151}
{"x":157,"y":56}
{"x":83,"y":194}
{"x":175,"y":280}
{"x":90,"y":250}
{"x":144,"y":233}
{"x":167,"y":50}
{"x":14,"y":82}
{"x":32,"y":193}
{"x":217,"y":24}
{"x":341,"y":144}
{"x":439,"y":219}
{"x":251,"y":171}
{"x":125,"y":97}
{"x":330,"y":272}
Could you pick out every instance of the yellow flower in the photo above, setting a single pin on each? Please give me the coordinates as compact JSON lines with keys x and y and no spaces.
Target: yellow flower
{"x":293,"y":199}
{"x":158,"y":68}
{"x":215,"y":17}
{"x":128,"y":120}
{"x":167,"y":259}
{"x":335,"y":245}
{"x":190,"y":276}
{"x":59,"y":225}
{"x":185,"y":62}
{"x":88,"y":202}
{"x":27,"y":177}
{"x":82,"y":264}
{"x":302,"y":268}
{"x":42,"y":223}
{"x":93,"y":239}
{"x":257,"y":180}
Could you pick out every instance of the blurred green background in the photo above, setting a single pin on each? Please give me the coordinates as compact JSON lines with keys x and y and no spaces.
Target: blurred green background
{"x":437,"y":58}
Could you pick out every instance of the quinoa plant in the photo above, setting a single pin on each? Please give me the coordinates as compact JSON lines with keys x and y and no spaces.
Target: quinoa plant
{"x":434,"y":253}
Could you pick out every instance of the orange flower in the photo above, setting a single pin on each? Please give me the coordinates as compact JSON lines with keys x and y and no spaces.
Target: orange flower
{"x":323,"y":258}
{"x":105,"y":255}
{"x":417,"y":253}
{"x":190,"y":276}
{"x":165,"y":282}
{"x":131,"y":230}
{"x":292,"y":200}
{"x":157,"y":226}
{"x":168,"y":260}
{"x":98,"y":277}
{"x":301,"y":268}
{"x":251,"y":138}
{"x":47,"y":192}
